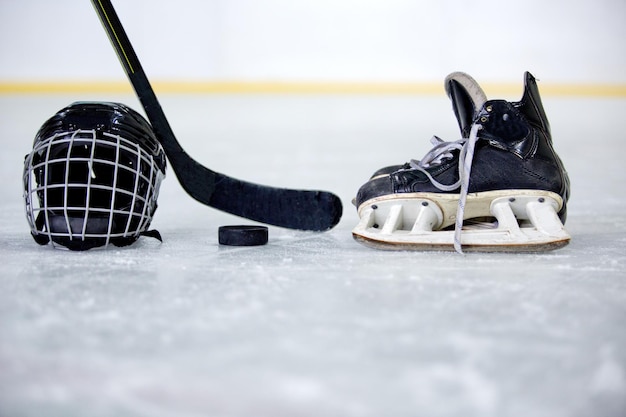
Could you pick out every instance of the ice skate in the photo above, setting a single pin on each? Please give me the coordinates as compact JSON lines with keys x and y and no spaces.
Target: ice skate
{"x":502,"y":187}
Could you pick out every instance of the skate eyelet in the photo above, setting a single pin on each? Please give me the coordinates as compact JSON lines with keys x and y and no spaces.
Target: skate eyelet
{"x":489,"y":108}
{"x":484,"y":119}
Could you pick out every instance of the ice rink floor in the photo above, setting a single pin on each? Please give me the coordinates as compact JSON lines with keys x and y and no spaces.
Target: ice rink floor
{"x":314,"y":324}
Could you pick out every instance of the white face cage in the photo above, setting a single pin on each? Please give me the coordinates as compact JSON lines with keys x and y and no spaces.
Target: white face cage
{"x":89,"y":188}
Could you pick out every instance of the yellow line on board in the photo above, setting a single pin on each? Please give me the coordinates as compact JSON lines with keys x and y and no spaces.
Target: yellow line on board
{"x":64,"y":87}
{"x":495,"y":90}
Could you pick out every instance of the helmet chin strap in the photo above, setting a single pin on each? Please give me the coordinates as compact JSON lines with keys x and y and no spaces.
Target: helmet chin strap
{"x":40,"y":223}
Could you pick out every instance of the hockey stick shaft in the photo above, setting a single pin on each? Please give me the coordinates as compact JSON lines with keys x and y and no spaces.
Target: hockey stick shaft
{"x":295,"y":209}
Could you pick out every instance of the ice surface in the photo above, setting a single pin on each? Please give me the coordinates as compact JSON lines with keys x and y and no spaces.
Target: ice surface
{"x":313,"y":324}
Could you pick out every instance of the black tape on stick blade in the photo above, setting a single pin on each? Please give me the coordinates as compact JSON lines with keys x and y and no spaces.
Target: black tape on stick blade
{"x":242,"y":235}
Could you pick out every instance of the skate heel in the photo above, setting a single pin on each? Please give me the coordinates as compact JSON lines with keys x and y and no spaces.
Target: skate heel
{"x":529,"y":218}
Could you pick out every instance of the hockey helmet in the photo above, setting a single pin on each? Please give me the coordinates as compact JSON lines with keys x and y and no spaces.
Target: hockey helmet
{"x":93,"y":177}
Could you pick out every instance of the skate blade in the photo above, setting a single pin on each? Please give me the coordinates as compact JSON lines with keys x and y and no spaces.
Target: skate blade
{"x":524,"y":221}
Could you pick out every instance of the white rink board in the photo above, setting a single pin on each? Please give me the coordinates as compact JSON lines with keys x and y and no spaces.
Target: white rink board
{"x":314,"y":324}
{"x":320,"y":40}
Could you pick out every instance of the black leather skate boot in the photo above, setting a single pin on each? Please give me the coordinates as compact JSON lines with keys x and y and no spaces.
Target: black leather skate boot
{"x":505,"y":158}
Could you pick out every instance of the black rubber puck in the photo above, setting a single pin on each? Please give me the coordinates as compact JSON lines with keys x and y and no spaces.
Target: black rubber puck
{"x":242,"y":235}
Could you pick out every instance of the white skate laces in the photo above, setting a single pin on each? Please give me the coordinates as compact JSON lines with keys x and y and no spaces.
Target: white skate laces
{"x":443,"y":150}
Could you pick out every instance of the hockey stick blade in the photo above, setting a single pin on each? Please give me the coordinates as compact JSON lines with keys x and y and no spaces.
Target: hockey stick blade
{"x":283,"y":207}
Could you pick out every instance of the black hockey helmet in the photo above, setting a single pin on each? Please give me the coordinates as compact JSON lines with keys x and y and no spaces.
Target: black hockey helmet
{"x":93,"y":177}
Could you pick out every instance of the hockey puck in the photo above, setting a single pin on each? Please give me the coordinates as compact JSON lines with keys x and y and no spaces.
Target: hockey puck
{"x":242,"y":235}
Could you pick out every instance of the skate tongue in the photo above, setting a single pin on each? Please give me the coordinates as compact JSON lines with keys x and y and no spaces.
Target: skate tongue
{"x":467,"y":98}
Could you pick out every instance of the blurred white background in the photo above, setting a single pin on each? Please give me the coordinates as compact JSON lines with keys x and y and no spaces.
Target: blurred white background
{"x":569,"y":41}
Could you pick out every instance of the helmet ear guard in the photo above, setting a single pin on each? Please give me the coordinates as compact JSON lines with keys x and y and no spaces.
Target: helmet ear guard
{"x":93,"y":177}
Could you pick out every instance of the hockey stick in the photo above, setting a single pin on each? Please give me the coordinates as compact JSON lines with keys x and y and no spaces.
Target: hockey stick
{"x":289,"y":208}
